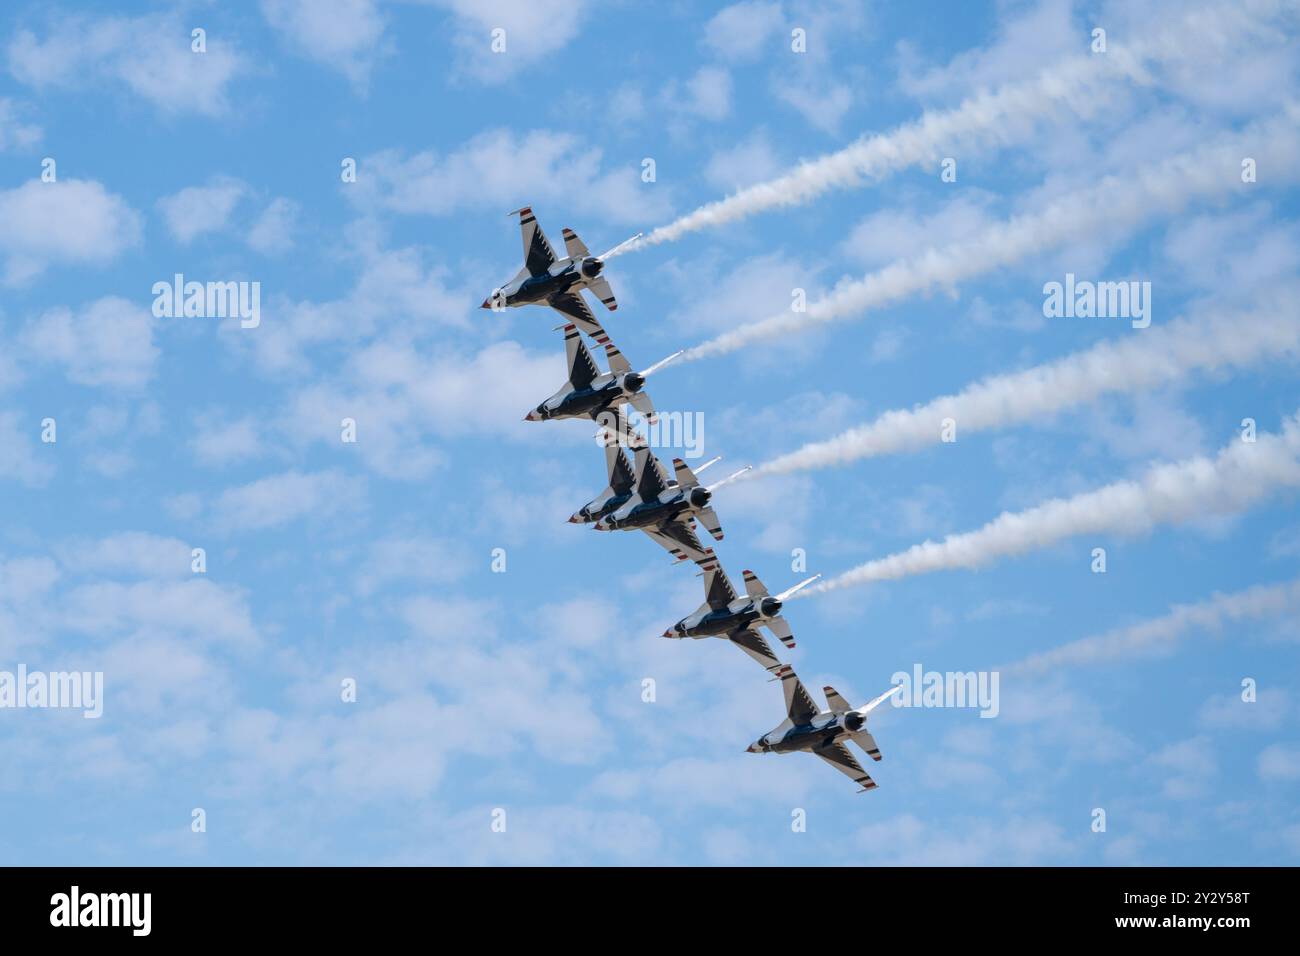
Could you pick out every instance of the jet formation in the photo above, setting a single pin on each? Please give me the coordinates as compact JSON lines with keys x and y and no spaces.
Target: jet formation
{"x":642,"y":496}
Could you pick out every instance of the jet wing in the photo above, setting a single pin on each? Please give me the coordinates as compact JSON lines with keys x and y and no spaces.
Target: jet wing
{"x":538,"y":255}
{"x":839,"y":757}
{"x":582,"y":369}
{"x":797,"y":702}
{"x":753,"y":644}
{"x":678,"y":539}
{"x":575,"y":307}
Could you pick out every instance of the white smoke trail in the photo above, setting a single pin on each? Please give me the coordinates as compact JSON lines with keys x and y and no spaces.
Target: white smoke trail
{"x":1155,"y":357}
{"x":989,"y":118}
{"x":1158,"y":636}
{"x":1111,"y":207}
{"x":1241,"y":474}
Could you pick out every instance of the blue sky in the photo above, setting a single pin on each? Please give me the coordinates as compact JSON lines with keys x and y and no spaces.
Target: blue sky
{"x":522,"y":690}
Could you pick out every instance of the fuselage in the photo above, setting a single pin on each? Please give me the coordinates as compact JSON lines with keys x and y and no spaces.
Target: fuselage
{"x":604,"y":392}
{"x":738,"y":615}
{"x":564,"y":276}
{"x":825,"y":728}
{"x":600,"y":508}
{"x":646,"y":514}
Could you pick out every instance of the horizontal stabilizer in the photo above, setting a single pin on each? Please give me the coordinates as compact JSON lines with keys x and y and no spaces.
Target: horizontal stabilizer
{"x":600,"y":288}
{"x":709,"y":518}
{"x":781,"y":628}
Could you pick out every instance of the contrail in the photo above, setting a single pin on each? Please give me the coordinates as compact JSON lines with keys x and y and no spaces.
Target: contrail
{"x":1112,"y":206}
{"x":1158,"y":636}
{"x":989,"y":118}
{"x":1154,"y":357}
{"x":1240,"y":475}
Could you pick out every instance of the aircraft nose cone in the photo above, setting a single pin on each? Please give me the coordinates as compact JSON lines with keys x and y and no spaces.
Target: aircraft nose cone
{"x":752,"y":749}
{"x":574,"y":519}
{"x":487,"y":304}
{"x":532,"y":416}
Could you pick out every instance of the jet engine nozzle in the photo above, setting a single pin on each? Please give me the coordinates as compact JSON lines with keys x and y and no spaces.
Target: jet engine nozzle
{"x":770,"y":607}
{"x":853,"y":721}
{"x":591,"y":267}
{"x":633,"y":381}
{"x":700,"y":497}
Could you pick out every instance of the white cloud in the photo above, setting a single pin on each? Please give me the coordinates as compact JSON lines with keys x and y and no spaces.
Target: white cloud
{"x":707,"y":94}
{"x":1035,"y":36}
{"x":347,"y":35}
{"x":16,"y":132}
{"x":1188,"y":766}
{"x":1160,"y":636}
{"x":1266,"y":712}
{"x":134,"y":553}
{"x":292,"y":495}
{"x":748,"y":161}
{"x":908,"y":840}
{"x":398,"y":397}
{"x":821,"y":101}
{"x":194,"y":608}
{"x":395,"y":292}
{"x":745,"y":30}
{"x":197,"y":210}
{"x":533,"y":30}
{"x":106,"y":343}
{"x":1280,"y":762}
{"x":21,"y":461}
{"x":149,"y":55}
{"x":421,"y":559}
{"x":503,"y":169}
{"x":273,"y":231}
{"x":223,"y":442}
{"x":72,"y":221}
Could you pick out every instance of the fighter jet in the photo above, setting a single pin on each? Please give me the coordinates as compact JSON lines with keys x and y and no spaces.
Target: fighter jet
{"x":622,"y":476}
{"x":723,"y":614}
{"x":667,"y":511}
{"x":590,"y":393}
{"x":557,"y":282}
{"x":823,"y":732}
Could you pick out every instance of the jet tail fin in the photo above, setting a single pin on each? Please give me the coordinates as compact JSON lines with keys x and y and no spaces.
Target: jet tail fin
{"x":836,"y":700}
{"x":574,"y":246}
{"x":753,"y":586}
{"x":618,"y":362}
{"x":685,"y":477}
